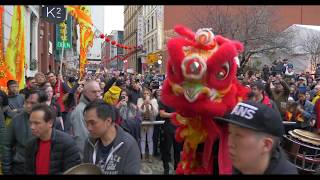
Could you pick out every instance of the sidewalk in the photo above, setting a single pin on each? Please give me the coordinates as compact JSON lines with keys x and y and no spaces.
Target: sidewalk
{"x":155,"y":167}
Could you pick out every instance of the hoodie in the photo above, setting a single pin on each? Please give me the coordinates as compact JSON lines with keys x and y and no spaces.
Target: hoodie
{"x":123,"y":158}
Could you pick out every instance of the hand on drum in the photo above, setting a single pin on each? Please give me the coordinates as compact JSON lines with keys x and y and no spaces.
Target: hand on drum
{"x":312,"y":122}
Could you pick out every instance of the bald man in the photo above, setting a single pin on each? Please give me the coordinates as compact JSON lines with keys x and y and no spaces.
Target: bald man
{"x":91,"y":91}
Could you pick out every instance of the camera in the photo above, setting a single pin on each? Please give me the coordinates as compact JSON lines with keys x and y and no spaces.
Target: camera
{"x":122,"y":97}
{"x":155,"y":85}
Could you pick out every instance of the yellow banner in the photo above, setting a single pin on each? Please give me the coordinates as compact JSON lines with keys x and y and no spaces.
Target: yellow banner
{"x":81,"y":13}
{"x":83,"y":16}
{"x":86,"y":40}
{"x":15,"y":55}
{"x":12,"y":65}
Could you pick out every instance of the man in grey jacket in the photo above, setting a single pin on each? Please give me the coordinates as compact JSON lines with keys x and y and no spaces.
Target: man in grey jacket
{"x":109,"y":147}
{"x":91,"y":91}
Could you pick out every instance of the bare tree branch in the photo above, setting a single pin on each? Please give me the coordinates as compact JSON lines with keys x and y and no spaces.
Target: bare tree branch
{"x":252,"y":25}
{"x":311,"y":45}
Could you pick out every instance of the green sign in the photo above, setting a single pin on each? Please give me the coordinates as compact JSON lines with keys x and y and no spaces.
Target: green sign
{"x":63,"y":34}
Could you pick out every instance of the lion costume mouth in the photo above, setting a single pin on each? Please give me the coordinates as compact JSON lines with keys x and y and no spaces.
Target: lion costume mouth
{"x":191,"y":91}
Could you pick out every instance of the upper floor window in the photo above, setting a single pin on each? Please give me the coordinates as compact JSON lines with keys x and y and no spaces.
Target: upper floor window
{"x":151,"y":22}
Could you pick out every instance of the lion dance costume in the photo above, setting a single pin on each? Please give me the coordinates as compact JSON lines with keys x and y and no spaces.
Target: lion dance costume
{"x":201,"y":84}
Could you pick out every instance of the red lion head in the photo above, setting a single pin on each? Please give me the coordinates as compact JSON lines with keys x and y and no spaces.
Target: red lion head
{"x":201,"y":73}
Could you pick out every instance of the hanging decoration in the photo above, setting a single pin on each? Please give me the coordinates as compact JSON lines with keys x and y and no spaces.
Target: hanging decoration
{"x":12,"y":65}
{"x":83,"y":16}
{"x":5,"y":74}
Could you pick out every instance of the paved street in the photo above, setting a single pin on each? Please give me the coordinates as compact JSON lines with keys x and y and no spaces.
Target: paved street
{"x":155,"y":167}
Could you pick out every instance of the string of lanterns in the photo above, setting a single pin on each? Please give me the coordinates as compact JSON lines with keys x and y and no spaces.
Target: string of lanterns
{"x":119,"y":45}
{"x":131,"y":49}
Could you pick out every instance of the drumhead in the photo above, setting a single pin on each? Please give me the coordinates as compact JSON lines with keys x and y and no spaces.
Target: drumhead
{"x":304,"y":139}
{"x":307,"y":134}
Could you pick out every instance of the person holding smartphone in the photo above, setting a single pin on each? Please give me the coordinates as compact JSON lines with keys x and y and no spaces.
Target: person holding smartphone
{"x":129,"y":114}
{"x":148,"y":106}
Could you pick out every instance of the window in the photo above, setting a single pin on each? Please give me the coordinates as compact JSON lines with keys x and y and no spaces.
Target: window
{"x":145,"y":28}
{"x":151,"y":45}
{"x":148,"y":26}
{"x":148,"y":50}
{"x":151,"y":22}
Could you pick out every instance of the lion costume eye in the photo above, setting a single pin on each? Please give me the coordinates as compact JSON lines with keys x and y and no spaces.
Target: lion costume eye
{"x":224,"y":72}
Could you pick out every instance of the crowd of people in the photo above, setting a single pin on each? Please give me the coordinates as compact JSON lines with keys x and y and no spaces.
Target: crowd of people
{"x":294,"y":95}
{"x":105,"y":119}
{"x":110,"y":120}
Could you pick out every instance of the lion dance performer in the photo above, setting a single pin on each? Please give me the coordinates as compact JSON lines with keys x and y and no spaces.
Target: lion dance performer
{"x":201,"y":84}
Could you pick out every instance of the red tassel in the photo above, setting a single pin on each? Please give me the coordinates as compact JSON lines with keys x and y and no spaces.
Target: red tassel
{"x":102,"y":36}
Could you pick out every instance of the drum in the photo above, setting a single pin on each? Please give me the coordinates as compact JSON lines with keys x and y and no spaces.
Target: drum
{"x":82,"y":169}
{"x":303,"y":150}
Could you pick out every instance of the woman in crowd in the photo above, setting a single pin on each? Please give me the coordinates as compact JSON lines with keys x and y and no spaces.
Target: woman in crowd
{"x":58,"y":124}
{"x":129,"y":114}
{"x":148,"y":105}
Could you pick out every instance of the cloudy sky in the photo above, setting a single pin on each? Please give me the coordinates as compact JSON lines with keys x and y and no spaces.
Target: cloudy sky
{"x":113,"y":18}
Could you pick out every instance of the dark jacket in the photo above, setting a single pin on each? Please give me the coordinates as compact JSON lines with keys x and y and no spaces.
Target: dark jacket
{"x":279,"y":97}
{"x":109,"y":84}
{"x":2,"y":132}
{"x":130,"y":120}
{"x":278,"y":164}
{"x":124,"y":154}
{"x":135,"y":95}
{"x":18,"y":134}
{"x":64,"y":153}
{"x":15,"y":102}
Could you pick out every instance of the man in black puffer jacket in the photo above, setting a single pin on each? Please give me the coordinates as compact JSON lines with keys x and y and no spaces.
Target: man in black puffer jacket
{"x":52,"y":151}
{"x":17,"y":135}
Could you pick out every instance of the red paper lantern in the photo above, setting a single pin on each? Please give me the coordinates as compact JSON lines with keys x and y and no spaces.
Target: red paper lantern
{"x":113,"y":42}
{"x":107,"y":39}
{"x":102,"y":36}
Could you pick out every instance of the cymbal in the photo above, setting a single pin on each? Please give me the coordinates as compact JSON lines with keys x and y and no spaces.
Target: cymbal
{"x":85,"y":168}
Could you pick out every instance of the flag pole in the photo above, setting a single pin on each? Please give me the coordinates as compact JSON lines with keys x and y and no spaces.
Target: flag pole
{"x":62,"y":50}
